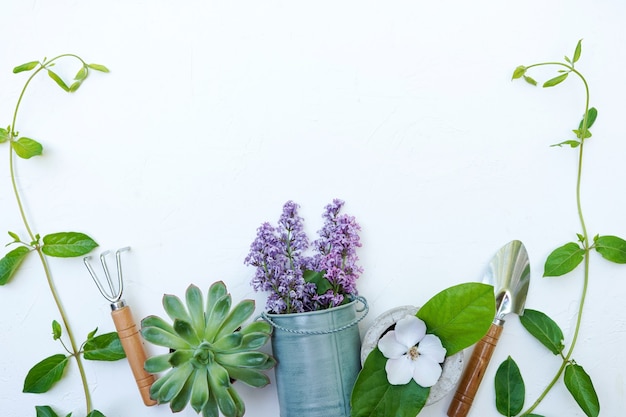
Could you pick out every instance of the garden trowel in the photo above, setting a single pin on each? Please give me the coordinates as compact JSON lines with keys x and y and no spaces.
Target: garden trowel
{"x":509,"y":273}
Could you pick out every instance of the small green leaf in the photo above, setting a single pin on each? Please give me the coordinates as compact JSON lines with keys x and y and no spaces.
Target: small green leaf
{"x":58,"y":80}
{"x":530,"y":80}
{"x":556,"y":80}
{"x":243,"y":359}
{"x":571,"y":143}
{"x":592,"y":115}
{"x":569,"y":61}
{"x":175,"y":382}
{"x":25,"y":67}
{"x":612,"y":248}
{"x":4,"y":135}
{"x":45,"y":374}
{"x":161,"y":337}
{"x":374,"y":396}
{"x":56,"y":330}
{"x":216,"y":316}
{"x":92,"y":333}
{"x":248,"y":376}
{"x":105,"y":347}
{"x":82,"y":74}
{"x":240,"y":313}
{"x":95,"y":413}
{"x":98,"y":67}
{"x":186,"y":331}
{"x":195,"y":306}
{"x":563,"y":260}
{"x":26,"y":148}
{"x":74,"y":86}
{"x":577,"y":51}
{"x":459,"y":315}
{"x":15,"y":237}
{"x":510,"y":389}
{"x":175,"y":308}
{"x":580,"y":386}
{"x":158,"y":363}
{"x":544,"y":329}
{"x":45,"y":411}
{"x":11,"y":262}
{"x":67,"y":244}
{"x":519,"y":72}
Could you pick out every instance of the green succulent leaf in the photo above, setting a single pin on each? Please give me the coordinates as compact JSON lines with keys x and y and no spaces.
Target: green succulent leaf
{"x":240,"y":407}
{"x":181,"y":356}
{"x":259,"y":326}
{"x":242,"y":311}
{"x":611,"y":248}
{"x":195,"y":305}
{"x":57,"y":331}
{"x":4,"y":135}
{"x":200,"y":390}
{"x":26,"y":148}
{"x":164,"y":338}
{"x":556,"y":80}
{"x":216,"y":291}
{"x":252,"y":341}
{"x":459,"y":315}
{"x":158,"y":363}
{"x":228,"y":343}
{"x":510,"y":390}
{"x":98,"y":67}
{"x":248,"y":376}
{"x":577,"y":51}
{"x":210,"y":409}
{"x":25,"y":67}
{"x":181,"y":399}
{"x":10,"y":263}
{"x":216,"y":316}
{"x":45,"y":374}
{"x":175,"y":383}
{"x":563,"y":259}
{"x":158,"y":322}
{"x":373,"y":396}
{"x":580,"y":386}
{"x":242,"y":359}
{"x":105,"y":347}
{"x":219,"y":381}
{"x":58,"y":80}
{"x":67,"y":244}
{"x":175,"y":308}
{"x":544,"y":329}
{"x":186,"y":331}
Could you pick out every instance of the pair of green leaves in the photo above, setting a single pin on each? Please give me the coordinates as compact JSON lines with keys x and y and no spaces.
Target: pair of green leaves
{"x":23,"y":147}
{"x":459,"y":316}
{"x":520,"y":71}
{"x":42,"y":377}
{"x":80,"y":76}
{"x":60,"y":245}
{"x":509,"y":384}
{"x":47,"y":411}
{"x":567,"y":257}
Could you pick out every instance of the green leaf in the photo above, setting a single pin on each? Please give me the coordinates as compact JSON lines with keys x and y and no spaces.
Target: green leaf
{"x":240,"y":313}
{"x":556,"y":80}
{"x":175,"y":383}
{"x":592,"y":115}
{"x":25,"y":67}
{"x":248,"y":376}
{"x":374,"y":396}
{"x":216,"y":316}
{"x":82,"y":74}
{"x":45,"y":411}
{"x":67,"y":244}
{"x":181,"y":399}
{"x":26,"y":148}
{"x":45,"y":374}
{"x":11,"y":262}
{"x":242,"y":359}
{"x":519,"y":72}
{"x":158,"y":322}
{"x":105,"y":347}
{"x":92,"y":333}
{"x":571,"y":143}
{"x":544,"y":329}
{"x":200,"y":390}
{"x":580,"y":386}
{"x":563,"y":260}
{"x":164,"y":338}
{"x":158,"y":363}
{"x":510,"y":390}
{"x":186,"y":331}
{"x":577,"y":51}
{"x":195,"y":305}
{"x":98,"y":67}
{"x":175,"y":308}
{"x":95,"y":413}
{"x":4,"y":135}
{"x":216,"y":291}
{"x":530,"y":80}
{"x":612,"y":248}
{"x":56,"y":330}
{"x":74,"y":86}
{"x":15,"y":237}
{"x":580,"y":135}
{"x":58,"y":80}
{"x":322,"y":284}
{"x":460,"y":315}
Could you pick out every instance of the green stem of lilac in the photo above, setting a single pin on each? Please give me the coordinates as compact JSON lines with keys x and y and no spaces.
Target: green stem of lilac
{"x":34,"y":238}
{"x":585,"y":242}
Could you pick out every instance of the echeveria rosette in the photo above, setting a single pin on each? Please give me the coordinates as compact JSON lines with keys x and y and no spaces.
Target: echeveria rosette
{"x":458,"y":316}
{"x":209,"y":345}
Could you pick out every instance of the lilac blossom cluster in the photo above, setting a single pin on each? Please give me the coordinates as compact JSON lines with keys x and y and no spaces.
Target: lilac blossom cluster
{"x":279,"y":255}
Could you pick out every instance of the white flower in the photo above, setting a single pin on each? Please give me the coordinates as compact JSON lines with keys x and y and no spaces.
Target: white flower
{"x":411,"y":353}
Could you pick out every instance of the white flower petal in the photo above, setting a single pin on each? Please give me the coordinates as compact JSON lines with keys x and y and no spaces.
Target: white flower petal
{"x":400,"y":370}
{"x":431,"y":347}
{"x":426,"y":372}
{"x":410,"y":330}
{"x":390,"y":347}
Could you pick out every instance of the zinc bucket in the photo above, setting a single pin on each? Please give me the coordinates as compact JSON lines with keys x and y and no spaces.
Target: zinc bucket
{"x":318,"y":359}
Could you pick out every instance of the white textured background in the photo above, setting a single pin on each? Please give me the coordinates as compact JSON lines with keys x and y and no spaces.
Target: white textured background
{"x":217,"y":112}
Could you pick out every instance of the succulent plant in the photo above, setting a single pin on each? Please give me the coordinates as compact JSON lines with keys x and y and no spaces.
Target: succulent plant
{"x":209,"y":348}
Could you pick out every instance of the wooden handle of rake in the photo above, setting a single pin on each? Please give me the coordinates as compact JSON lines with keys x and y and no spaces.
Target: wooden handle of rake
{"x":133,"y":347}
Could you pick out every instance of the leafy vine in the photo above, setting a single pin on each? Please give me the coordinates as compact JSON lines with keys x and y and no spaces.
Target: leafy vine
{"x":106,"y":347}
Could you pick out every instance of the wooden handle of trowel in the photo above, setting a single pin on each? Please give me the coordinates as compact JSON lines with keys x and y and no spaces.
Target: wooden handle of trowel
{"x":133,"y":347}
{"x":474,"y":372}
